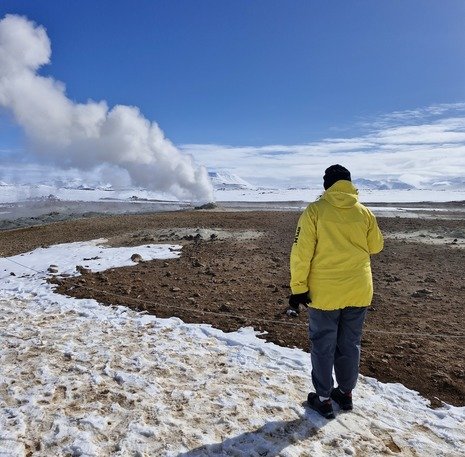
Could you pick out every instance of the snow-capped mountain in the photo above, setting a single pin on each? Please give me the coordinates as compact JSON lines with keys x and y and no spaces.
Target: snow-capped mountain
{"x":386,"y":184}
{"x":457,"y":183}
{"x":224,"y":180}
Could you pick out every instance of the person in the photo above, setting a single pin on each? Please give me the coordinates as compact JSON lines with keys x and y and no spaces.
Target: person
{"x":331,"y":274}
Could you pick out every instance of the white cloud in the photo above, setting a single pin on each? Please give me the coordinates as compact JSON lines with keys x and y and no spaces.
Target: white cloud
{"x":415,"y":152}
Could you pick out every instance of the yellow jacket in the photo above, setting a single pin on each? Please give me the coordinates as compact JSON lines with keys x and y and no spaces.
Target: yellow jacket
{"x":330,"y":256}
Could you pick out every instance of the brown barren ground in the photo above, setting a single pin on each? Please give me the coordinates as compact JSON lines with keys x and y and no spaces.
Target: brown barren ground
{"x":231,"y":278}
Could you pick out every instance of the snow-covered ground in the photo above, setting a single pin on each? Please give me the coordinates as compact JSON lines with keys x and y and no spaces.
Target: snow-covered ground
{"x":24,"y":205}
{"x":366,"y":195}
{"x":81,"y":379}
{"x":21,"y":193}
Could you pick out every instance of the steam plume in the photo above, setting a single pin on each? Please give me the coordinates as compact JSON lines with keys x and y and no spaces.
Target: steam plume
{"x":88,"y":135}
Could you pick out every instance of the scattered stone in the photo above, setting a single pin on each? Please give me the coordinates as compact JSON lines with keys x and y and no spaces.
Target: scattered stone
{"x":191,"y":300}
{"x":213,"y":236}
{"x":210,"y":272}
{"x":175,"y":289}
{"x":83,"y":270}
{"x":136,"y":258}
{"x":12,"y":274}
{"x":53,"y":269}
{"x":210,"y":205}
{"x":421,"y":293}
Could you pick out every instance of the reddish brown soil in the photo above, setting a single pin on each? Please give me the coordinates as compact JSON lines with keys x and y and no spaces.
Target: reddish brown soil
{"x":414,"y":332}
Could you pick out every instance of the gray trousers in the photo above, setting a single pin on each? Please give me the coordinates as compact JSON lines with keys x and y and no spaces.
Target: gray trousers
{"x":335,"y":337}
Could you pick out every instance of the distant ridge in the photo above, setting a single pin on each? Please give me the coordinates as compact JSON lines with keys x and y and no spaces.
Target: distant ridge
{"x":225,"y":180}
{"x":387,"y":184}
{"x":457,"y":183}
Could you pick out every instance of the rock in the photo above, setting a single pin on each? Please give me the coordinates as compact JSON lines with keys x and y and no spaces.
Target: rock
{"x":225,"y":308}
{"x":136,"y":258}
{"x":425,"y":291}
{"x":52,"y":269}
{"x":210,"y":272}
{"x":213,"y":236}
{"x":197,"y":264}
{"x":191,"y":300}
{"x":206,"y":206}
{"x":83,"y":270}
{"x":175,"y":289}
{"x":421,"y":293}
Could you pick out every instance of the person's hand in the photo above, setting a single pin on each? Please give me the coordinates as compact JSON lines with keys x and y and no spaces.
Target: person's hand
{"x":295,"y":300}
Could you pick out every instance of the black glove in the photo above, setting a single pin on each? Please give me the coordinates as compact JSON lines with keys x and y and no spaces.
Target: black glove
{"x":298,"y":299}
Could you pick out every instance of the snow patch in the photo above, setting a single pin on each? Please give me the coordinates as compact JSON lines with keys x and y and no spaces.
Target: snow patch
{"x":78,"y":378}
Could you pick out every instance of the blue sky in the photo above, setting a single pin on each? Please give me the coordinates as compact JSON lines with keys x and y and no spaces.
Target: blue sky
{"x":254,"y":74}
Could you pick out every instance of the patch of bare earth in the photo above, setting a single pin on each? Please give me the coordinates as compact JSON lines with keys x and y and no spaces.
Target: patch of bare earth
{"x":233,"y":272}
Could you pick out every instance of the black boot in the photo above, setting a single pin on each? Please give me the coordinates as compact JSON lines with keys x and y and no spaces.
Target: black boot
{"x":344,"y":400}
{"x":325,"y":408}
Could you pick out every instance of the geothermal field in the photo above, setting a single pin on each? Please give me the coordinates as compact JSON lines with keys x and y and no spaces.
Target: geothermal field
{"x":165,"y":333}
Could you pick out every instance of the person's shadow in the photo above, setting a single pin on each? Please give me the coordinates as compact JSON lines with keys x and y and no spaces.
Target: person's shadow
{"x":269,"y":440}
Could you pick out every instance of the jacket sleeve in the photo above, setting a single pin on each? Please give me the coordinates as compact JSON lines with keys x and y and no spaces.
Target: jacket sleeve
{"x":374,"y":236}
{"x":302,"y":251}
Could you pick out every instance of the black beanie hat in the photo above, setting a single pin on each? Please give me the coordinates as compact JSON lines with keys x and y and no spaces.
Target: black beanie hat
{"x":335,"y":173}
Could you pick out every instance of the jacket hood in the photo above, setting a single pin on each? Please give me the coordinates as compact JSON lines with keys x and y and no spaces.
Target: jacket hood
{"x":341,"y":194}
